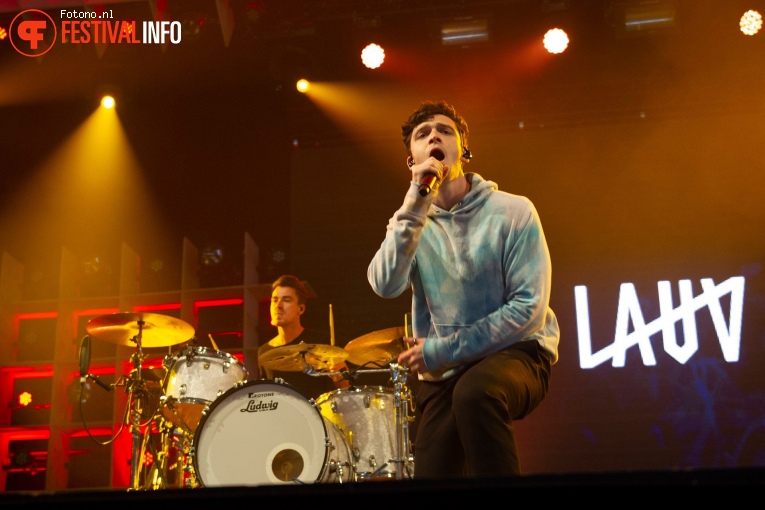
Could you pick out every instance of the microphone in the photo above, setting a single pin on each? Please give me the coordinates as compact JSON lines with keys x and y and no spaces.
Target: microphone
{"x":100,"y":382}
{"x":85,"y":364}
{"x":427,"y":185}
{"x":429,"y":181}
{"x":84,"y":355}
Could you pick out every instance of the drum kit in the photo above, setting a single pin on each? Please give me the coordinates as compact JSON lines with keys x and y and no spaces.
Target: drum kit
{"x":212,"y":426}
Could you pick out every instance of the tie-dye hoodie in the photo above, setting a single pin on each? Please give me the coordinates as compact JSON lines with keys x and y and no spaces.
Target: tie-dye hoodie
{"x":479,"y":274}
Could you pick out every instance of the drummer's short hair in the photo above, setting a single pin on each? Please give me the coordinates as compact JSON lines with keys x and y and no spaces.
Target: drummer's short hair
{"x":288,"y":280}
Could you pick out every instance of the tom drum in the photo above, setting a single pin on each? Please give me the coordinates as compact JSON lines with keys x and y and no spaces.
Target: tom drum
{"x":366,"y":415}
{"x":195,"y":378}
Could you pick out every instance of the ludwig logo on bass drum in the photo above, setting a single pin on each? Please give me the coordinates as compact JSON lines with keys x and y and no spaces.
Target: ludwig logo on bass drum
{"x":253,"y":407}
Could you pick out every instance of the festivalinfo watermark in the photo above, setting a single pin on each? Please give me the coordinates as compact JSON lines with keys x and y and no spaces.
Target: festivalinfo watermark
{"x":33,"y":32}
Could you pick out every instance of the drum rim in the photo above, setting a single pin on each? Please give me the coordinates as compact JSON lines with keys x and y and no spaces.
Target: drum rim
{"x":190,"y":400}
{"x":356,"y":389}
{"x":170,"y":368}
{"x":201,"y":350}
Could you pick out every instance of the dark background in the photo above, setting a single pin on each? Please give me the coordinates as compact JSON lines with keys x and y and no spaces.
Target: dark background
{"x":642,"y":154}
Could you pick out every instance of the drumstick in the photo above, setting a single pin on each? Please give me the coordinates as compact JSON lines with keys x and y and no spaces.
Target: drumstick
{"x":215,"y":346}
{"x":331,"y":327}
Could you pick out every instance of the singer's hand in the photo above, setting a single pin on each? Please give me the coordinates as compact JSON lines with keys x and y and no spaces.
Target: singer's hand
{"x":412,"y":358}
{"x":430,"y":166}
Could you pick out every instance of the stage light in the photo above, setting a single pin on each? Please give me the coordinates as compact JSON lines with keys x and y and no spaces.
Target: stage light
{"x":278,"y":255}
{"x":372,"y":56}
{"x":274,"y":262}
{"x":157,"y":265}
{"x":92,"y":265}
{"x":192,"y":27}
{"x":649,"y":16}
{"x":212,"y":256}
{"x":23,"y":461}
{"x":127,"y":29}
{"x":556,"y":41}
{"x":751,"y":22}
{"x":3,"y":33}
{"x":23,"y":399}
{"x":636,"y":18}
{"x":302,"y":85}
{"x":465,"y":32}
{"x":107,"y":102}
{"x":96,"y":276}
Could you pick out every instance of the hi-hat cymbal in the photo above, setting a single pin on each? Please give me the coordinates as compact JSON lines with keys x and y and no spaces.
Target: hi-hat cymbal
{"x":289,"y":358}
{"x":156,"y":330}
{"x":378,"y":347}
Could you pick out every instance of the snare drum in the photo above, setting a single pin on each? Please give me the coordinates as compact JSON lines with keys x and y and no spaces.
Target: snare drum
{"x":367,"y":416}
{"x":268,"y":433}
{"x":195,"y":378}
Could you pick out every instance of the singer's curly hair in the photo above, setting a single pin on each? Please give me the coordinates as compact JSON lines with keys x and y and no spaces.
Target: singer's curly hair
{"x":426,"y":111}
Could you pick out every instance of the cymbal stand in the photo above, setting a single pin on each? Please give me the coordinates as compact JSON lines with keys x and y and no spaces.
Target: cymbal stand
{"x":171,"y":462}
{"x":400,"y":403}
{"x":176,"y":464}
{"x":136,"y":389}
{"x":309,"y":369}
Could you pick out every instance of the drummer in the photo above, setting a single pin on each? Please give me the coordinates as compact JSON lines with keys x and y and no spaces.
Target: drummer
{"x":288,"y":303}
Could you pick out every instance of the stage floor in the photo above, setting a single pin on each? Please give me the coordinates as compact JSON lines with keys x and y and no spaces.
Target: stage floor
{"x":376,"y":494}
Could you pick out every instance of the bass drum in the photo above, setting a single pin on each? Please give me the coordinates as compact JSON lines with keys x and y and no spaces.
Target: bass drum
{"x":268,"y":433}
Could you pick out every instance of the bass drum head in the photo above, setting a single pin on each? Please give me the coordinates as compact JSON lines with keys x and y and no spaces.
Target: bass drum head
{"x":265,"y":432}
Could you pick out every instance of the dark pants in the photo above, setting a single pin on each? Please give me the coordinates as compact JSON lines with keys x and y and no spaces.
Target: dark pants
{"x":465,"y":423}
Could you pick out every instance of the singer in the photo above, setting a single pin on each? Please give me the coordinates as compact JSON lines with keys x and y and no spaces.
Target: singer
{"x":484,"y":337}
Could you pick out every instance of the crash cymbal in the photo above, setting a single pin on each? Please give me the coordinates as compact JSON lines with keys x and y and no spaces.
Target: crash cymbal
{"x":289,"y":358}
{"x":156,"y":330}
{"x":376,"y":347}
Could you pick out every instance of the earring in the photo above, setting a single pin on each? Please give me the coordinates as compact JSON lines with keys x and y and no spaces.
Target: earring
{"x":410,"y":162}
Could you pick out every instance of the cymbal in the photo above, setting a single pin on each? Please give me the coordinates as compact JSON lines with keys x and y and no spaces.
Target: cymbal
{"x":376,"y":347}
{"x":289,"y":358}
{"x":156,"y":330}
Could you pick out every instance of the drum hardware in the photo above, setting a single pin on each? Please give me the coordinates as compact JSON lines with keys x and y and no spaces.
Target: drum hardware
{"x":381,"y":349}
{"x":157,"y":474}
{"x":295,"y":358}
{"x":376,"y":425}
{"x":185,"y":464}
{"x":170,"y":465}
{"x":136,"y":392}
{"x":139,"y":330}
{"x":377,"y":347}
{"x":401,"y":398}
